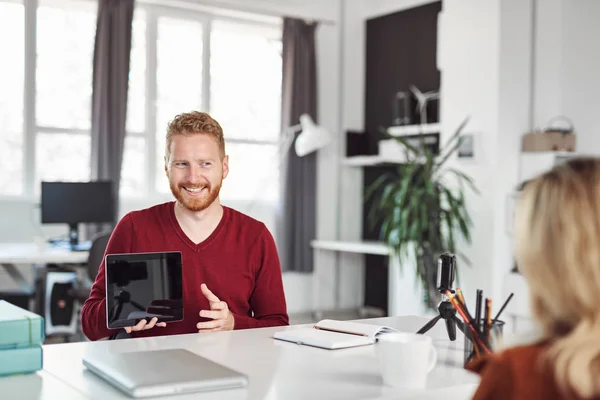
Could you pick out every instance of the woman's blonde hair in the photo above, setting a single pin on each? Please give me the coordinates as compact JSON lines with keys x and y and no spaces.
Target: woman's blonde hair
{"x":557,"y":240}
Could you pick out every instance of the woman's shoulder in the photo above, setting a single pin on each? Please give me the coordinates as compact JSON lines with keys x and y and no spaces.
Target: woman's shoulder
{"x":519,"y":372}
{"x":523,"y":356}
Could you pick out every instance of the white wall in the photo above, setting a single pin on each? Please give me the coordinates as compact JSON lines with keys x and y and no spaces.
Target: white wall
{"x":510,"y":72}
{"x":580,"y":85}
{"x":311,"y":9}
{"x":515,"y":116}
{"x":379,"y":8}
{"x":484,"y":56}
{"x":356,"y":13}
{"x":469,"y":65}
{"x":566,"y":65}
{"x":510,"y":65}
{"x":547,"y":94}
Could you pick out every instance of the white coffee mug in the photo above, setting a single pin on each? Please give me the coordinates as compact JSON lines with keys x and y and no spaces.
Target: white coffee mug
{"x":405,"y":359}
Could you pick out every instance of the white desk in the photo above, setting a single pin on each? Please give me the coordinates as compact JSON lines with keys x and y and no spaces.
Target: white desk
{"x":404,"y":297}
{"x":276,"y":369}
{"x":41,"y":386}
{"x":31,"y":253}
{"x":359,"y":247}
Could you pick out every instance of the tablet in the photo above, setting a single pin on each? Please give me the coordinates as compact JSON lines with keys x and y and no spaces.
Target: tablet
{"x":142,"y":286}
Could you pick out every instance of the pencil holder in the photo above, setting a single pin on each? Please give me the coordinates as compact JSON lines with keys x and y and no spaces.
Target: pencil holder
{"x":493,"y":338}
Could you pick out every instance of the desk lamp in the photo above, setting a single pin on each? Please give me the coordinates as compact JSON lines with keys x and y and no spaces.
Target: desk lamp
{"x":312,"y":137}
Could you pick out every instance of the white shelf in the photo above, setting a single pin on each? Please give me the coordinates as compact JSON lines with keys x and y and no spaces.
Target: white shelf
{"x":369,"y":161}
{"x":362,"y":247}
{"x":536,"y":162}
{"x":406,"y":130}
{"x":365,"y":161}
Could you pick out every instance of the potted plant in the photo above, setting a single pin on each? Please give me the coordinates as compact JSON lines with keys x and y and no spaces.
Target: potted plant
{"x":421,"y":211}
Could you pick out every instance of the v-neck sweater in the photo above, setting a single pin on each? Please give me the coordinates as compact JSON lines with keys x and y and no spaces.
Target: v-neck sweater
{"x":238,"y":262}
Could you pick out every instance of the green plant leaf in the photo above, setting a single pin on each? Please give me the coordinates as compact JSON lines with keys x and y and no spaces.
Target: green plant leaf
{"x":453,"y":143}
{"x":418,"y":210}
{"x":376,"y":185}
{"x":456,"y":135}
{"x":415,"y":151}
{"x":464,"y":258}
{"x":462,"y":177}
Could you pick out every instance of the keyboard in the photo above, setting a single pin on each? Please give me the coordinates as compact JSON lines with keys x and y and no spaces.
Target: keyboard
{"x":65,"y":244}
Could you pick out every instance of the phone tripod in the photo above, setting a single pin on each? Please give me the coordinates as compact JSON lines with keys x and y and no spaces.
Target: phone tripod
{"x":448,"y":313}
{"x":124,"y":297}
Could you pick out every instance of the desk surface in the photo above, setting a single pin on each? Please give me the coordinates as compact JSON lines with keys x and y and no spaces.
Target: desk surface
{"x":31,"y":253}
{"x":277,"y":369}
{"x":40,"y":385}
{"x":363,"y":247}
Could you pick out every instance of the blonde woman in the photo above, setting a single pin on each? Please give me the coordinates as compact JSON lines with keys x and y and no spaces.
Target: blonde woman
{"x":557,"y":243}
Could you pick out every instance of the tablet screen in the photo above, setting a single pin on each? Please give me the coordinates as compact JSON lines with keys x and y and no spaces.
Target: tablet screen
{"x":141,"y":286}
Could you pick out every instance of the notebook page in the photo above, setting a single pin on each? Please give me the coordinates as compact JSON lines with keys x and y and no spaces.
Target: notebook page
{"x":321,"y":338}
{"x":354,"y":328}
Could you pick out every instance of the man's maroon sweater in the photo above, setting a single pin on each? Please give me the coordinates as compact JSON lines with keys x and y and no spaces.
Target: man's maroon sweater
{"x":238,"y":262}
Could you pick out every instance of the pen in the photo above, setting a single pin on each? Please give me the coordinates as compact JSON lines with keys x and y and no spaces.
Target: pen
{"x":478,"y":309}
{"x":459,"y":294}
{"x":476,"y":338}
{"x":503,"y":307}
{"x":488,"y":318}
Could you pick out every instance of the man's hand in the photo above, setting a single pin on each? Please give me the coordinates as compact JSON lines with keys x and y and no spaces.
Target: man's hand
{"x":143,"y":325}
{"x":222,"y":318}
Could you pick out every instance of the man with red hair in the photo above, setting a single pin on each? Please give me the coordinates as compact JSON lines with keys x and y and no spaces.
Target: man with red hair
{"x":231,"y":271}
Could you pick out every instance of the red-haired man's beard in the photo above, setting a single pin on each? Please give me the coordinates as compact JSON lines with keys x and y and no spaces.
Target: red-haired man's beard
{"x":192,"y":199}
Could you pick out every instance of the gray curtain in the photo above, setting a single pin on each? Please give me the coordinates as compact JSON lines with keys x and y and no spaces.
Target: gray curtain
{"x":109,"y":96}
{"x":297,"y":217}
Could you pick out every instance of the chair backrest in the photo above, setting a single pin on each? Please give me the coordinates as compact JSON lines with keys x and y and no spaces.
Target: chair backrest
{"x":99,"y":243}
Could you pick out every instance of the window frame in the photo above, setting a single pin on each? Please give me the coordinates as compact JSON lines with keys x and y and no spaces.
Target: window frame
{"x":152,"y":14}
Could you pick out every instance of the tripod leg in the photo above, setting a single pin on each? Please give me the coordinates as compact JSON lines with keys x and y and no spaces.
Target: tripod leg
{"x":118,"y":309}
{"x":459,"y":323}
{"x":137,"y":305}
{"x":429,"y":325}
{"x":451,"y":328}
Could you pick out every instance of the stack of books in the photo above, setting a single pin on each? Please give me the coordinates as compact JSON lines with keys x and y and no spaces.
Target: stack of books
{"x":21,"y":337}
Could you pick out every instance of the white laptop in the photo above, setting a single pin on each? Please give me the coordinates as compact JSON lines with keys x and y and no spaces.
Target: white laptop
{"x":162,"y":372}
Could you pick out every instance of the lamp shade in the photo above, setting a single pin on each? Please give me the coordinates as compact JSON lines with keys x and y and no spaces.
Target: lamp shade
{"x":312,"y":138}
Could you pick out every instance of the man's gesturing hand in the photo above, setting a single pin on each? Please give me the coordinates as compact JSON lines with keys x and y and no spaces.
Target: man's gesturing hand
{"x":222,"y":318}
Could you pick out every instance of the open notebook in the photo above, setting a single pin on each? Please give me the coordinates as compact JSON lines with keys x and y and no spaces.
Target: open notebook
{"x":331,"y":334}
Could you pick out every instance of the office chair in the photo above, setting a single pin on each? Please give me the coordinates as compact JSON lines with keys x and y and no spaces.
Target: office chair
{"x":81,"y":291}
{"x":96,"y":254}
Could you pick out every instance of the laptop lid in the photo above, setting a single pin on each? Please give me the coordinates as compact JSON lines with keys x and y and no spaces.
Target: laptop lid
{"x":162,"y":372}
{"x":142,"y":286}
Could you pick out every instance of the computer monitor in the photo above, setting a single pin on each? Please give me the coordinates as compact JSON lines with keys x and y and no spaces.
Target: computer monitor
{"x":73,"y":203}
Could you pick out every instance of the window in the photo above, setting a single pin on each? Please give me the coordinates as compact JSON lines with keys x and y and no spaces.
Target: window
{"x":54,"y":101}
{"x":245,"y":95}
{"x":181,"y":60}
{"x":178,"y":80}
{"x":63,"y":83}
{"x":12,"y":25}
{"x":133,"y":180}
{"x":229,"y":67}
